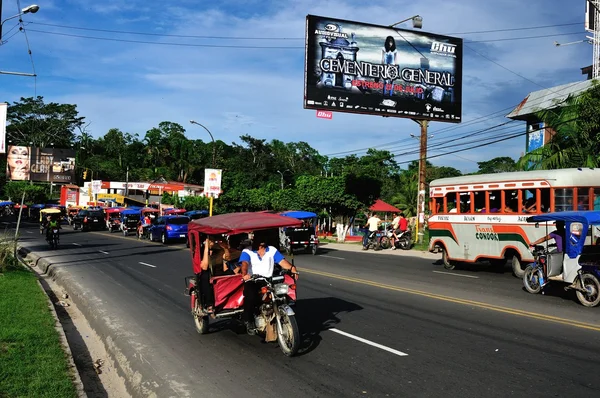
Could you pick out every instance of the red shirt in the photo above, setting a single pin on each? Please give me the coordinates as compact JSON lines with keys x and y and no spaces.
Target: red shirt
{"x":403,"y":224}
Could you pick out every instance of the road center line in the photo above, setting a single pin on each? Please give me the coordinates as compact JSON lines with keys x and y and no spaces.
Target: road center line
{"x":456,"y":300}
{"x":369,"y":342}
{"x":452,"y":274}
{"x":147,"y":265}
{"x":76,"y":244}
{"x":103,"y":252}
{"x":337,"y":258}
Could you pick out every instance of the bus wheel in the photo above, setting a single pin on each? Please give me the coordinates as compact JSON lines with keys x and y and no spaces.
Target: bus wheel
{"x":517,"y":268}
{"x":448,"y":264}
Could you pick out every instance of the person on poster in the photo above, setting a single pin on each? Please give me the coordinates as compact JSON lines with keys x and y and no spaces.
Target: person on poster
{"x":389,"y":56}
{"x":17,"y":163}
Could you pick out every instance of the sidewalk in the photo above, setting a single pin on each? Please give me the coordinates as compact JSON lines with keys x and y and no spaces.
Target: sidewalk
{"x":356,"y":247}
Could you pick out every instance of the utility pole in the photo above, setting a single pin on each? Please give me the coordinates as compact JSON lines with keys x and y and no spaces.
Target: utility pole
{"x":422,"y":180}
{"x":127,"y":183}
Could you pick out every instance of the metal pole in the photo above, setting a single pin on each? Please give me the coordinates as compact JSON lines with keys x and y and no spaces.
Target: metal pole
{"x":210,"y":205}
{"x":127,"y":183}
{"x":1,"y":22}
{"x":211,"y":137}
{"x":422,"y":179}
{"x":19,"y":218}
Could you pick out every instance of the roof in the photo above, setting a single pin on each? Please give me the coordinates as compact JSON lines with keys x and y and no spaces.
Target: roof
{"x":559,"y":177}
{"x":380,"y":205}
{"x":584,"y":217}
{"x":547,"y":99}
{"x":237,"y":223}
{"x":299,"y":214}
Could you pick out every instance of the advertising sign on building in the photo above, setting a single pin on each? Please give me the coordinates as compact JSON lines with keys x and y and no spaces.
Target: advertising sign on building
{"x":377,"y":70}
{"x":3,"y":110}
{"x":212,"y":182}
{"x":18,"y":161}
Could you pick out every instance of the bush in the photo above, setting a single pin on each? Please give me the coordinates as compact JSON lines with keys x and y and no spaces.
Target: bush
{"x":7,"y":247}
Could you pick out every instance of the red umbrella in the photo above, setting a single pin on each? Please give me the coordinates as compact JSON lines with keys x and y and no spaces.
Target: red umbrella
{"x":381,"y":206}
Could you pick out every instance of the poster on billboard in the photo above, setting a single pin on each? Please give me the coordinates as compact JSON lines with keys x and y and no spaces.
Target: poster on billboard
{"x":3,"y":110}
{"x":53,"y":164}
{"x":377,"y":70}
{"x":212,"y":182}
{"x":18,"y":163}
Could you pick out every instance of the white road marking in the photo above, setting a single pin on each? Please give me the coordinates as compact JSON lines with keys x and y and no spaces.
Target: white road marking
{"x":337,"y":258}
{"x":103,"y":252}
{"x":76,"y":244}
{"x":5,"y":222}
{"x":369,"y":342}
{"x":450,"y":273}
{"x":29,"y":232}
{"x":147,"y":265}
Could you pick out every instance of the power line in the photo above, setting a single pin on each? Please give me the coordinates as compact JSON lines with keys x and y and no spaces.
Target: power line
{"x":22,"y":28}
{"x":270,"y":38}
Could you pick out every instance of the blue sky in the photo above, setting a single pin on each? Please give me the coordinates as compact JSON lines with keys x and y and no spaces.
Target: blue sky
{"x":235,"y":91}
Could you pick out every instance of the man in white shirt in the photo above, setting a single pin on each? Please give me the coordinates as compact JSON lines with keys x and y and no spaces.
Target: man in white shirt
{"x":395,"y":224}
{"x":260,"y":260}
{"x":372,"y":224}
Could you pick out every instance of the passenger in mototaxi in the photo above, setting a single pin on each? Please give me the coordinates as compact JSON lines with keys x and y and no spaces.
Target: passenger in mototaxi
{"x":219,"y":258}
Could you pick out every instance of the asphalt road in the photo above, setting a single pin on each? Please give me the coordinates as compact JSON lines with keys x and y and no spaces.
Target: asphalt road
{"x":372,"y":325}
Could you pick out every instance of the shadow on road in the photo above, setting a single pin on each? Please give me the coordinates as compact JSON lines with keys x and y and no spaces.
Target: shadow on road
{"x":316,"y":315}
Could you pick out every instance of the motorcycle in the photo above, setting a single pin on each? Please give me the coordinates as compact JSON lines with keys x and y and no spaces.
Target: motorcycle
{"x":275,"y":319}
{"x":54,"y":238}
{"x":403,"y":240}
{"x":373,"y":240}
{"x":577,"y":268}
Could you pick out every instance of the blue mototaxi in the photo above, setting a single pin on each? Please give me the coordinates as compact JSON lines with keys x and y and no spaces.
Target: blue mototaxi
{"x":129,"y":220}
{"x":578,"y":265}
{"x":196,"y":214}
{"x":303,"y":237}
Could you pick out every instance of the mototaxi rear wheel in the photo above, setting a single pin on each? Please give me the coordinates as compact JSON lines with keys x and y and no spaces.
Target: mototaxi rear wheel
{"x":200,"y":320}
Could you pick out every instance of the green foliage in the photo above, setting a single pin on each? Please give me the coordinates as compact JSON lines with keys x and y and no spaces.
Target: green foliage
{"x":34,"y":193}
{"x":500,"y":164}
{"x":575,"y":142}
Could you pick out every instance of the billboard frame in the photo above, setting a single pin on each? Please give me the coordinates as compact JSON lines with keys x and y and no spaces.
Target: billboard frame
{"x":402,"y":106}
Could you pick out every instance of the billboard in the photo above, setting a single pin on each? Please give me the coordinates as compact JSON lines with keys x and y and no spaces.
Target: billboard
{"x":590,"y":16}
{"x":535,"y":136}
{"x":53,"y":165}
{"x":18,"y":163}
{"x":377,"y":70}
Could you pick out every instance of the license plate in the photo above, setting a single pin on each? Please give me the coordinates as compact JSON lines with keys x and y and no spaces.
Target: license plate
{"x":95,"y":220}
{"x":182,"y":235}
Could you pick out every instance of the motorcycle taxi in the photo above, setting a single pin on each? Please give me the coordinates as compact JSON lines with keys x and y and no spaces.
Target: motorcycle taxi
{"x":276,"y":319}
{"x":112,"y":217}
{"x":303,"y":237}
{"x":577,"y":266}
{"x":129,"y":221}
{"x":53,"y":236}
{"x":72,"y":212}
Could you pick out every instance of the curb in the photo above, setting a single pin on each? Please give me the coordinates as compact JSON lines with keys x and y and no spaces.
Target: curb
{"x":139,"y":381}
{"x":61,"y":333}
{"x":400,"y":253}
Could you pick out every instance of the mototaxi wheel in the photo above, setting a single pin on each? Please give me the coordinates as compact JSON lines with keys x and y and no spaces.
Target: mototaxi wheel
{"x":448,"y":264}
{"x":288,"y":336}
{"x":590,"y":283}
{"x":201,"y":321}
{"x":531,"y":280}
{"x":385,"y":243}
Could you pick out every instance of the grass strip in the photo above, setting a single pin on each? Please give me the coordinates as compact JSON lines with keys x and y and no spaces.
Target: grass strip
{"x":32,"y":360}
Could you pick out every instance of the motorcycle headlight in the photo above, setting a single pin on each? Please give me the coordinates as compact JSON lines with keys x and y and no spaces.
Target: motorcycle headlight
{"x":281,"y":289}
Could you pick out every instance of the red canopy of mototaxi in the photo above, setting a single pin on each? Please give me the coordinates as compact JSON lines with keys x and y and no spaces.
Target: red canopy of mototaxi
{"x":380,"y":205}
{"x":237,"y":223}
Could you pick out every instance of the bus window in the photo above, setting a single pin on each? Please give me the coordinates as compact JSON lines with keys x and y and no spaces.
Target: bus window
{"x":511,"y":201}
{"x":596,"y":199}
{"x":495,"y":198}
{"x":451,"y":203}
{"x":563,"y":199}
{"x":465,"y":202}
{"x":583,"y":198}
{"x":479,"y":197}
{"x":545,"y":200}
{"x":437,"y":205}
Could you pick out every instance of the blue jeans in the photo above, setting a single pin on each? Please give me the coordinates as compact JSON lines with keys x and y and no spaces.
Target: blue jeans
{"x":366,"y":233}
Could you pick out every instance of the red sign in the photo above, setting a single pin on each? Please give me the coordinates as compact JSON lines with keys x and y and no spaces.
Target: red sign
{"x":325,"y":114}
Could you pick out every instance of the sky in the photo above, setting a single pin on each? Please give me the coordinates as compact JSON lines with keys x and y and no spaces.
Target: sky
{"x":224,"y":82}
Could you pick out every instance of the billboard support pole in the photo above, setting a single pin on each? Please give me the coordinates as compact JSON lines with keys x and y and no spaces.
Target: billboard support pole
{"x":210,"y":205}
{"x":422,"y":180}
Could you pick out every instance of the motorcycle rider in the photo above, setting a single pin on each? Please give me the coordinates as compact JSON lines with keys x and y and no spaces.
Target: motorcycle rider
{"x":260,"y":259}
{"x":395,"y":230}
{"x":373,"y":225}
{"x":52,"y":223}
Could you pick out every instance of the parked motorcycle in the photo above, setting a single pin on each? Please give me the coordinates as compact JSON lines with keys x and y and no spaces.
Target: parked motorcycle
{"x":373,"y":241}
{"x":403,"y":241}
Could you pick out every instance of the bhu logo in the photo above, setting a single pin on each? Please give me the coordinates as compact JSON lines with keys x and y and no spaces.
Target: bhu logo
{"x":428,"y":107}
{"x":324,"y":114}
{"x":446,"y":48}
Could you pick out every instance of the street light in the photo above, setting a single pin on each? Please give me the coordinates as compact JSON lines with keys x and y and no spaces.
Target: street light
{"x":27,"y":10}
{"x":211,"y":137}
{"x":417,"y":21}
{"x":282,"y":176}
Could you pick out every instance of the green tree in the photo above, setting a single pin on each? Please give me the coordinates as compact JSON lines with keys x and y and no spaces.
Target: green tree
{"x":31,"y":121}
{"x":502,"y":164}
